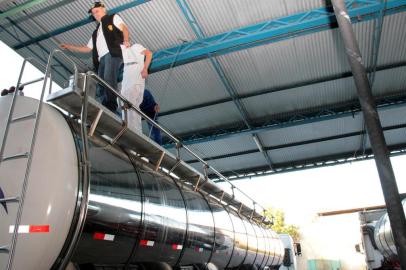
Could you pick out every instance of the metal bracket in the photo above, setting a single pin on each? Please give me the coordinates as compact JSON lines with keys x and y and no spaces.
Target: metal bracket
{"x":17,"y":156}
{"x":95,"y":122}
{"x":10,"y":199}
{"x":178,"y":160}
{"x":206,"y":178}
{"x":174,"y":166}
{"x":197,"y":184}
{"x":4,"y":249}
{"x":253,"y":211}
{"x":232,"y":197}
{"x":125,"y":127}
{"x":159,"y":161}
{"x":222,"y":196}
{"x":22,"y":118}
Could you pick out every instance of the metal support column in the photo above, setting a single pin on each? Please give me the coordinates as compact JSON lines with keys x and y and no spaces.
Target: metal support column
{"x":375,"y":133}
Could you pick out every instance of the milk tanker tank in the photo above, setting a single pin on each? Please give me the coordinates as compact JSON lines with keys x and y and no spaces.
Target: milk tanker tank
{"x":135,"y":216}
{"x":383,"y":238}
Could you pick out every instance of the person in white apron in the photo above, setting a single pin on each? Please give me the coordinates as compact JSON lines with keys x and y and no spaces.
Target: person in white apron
{"x":136,"y":62}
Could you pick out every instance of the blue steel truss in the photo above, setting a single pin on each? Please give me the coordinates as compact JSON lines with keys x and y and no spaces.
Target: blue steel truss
{"x":249,"y":36}
{"x":325,"y":161}
{"x":270,"y":31}
{"x":188,"y":14}
{"x":296,"y":119}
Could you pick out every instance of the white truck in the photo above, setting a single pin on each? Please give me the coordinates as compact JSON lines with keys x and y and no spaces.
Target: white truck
{"x":377,"y":240}
{"x":292,"y":250}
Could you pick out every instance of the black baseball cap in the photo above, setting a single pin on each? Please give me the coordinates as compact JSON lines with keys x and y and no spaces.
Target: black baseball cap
{"x":96,"y":5}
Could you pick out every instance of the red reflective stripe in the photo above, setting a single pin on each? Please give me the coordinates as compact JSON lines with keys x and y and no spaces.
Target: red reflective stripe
{"x":39,"y":228}
{"x":147,"y":243}
{"x":98,"y":236}
{"x":143,"y":242}
{"x":176,"y":247}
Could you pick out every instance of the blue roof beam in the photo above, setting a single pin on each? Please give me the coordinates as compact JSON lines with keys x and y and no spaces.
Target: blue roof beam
{"x":292,"y":86}
{"x":270,"y":31}
{"x":325,"y":161}
{"x":300,"y":143}
{"x":350,"y":109}
{"x":188,"y":14}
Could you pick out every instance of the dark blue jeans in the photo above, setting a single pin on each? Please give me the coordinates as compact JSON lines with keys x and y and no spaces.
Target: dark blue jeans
{"x":108,"y":71}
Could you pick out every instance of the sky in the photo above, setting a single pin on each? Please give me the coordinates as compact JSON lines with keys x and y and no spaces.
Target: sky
{"x":10,"y":70}
{"x":301,"y":194}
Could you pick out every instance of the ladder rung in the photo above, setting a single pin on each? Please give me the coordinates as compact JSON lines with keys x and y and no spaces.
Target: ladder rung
{"x":17,"y":156}
{"x":4,"y":249}
{"x":10,"y":199}
{"x":26,"y":117}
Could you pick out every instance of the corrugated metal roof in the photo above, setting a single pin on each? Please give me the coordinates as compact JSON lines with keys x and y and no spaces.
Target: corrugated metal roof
{"x":289,"y":83}
{"x":217,"y":16}
{"x":312,"y":131}
{"x":393,"y":40}
{"x":316,"y":150}
{"x":213,"y":116}
{"x":222,"y":147}
{"x":158,"y":24}
{"x":301,"y":98}
{"x":189,"y":85}
{"x":235,"y":163}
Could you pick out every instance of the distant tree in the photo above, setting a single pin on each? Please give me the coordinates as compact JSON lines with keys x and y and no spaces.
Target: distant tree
{"x":279,"y":226}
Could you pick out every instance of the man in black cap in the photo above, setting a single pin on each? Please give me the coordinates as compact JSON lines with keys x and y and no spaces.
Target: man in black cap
{"x":110,"y":33}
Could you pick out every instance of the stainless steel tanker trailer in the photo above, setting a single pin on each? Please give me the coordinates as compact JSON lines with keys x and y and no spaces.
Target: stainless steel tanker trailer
{"x":377,"y":240}
{"x":114,"y":208}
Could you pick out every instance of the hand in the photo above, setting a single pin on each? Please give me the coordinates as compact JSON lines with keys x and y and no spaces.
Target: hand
{"x":156,"y":108}
{"x":127,"y":44}
{"x":64,"y":46}
{"x":144,"y":73}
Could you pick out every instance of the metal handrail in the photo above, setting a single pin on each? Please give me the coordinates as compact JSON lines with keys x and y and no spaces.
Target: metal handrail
{"x":84,"y":192}
{"x":172,"y":137}
{"x":33,"y":140}
{"x":14,"y":98}
{"x":30,"y":156}
{"x":75,"y":68}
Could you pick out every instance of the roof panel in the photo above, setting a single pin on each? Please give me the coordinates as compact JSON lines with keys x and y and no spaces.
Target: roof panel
{"x":158,"y":24}
{"x":210,"y":117}
{"x":393,"y":39}
{"x":314,"y":150}
{"x":393,"y":116}
{"x":186,"y":85}
{"x":217,"y":16}
{"x":235,"y":163}
{"x":392,"y":137}
{"x":222,"y":147}
{"x":311,"y":131}
{"x":303,"y":58}
{"x":390,"y":81}
{"x":298,"y":99}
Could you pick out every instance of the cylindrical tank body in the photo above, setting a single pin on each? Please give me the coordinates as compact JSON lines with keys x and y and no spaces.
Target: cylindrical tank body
{"x":384,"y":237}
{"x":134,"y":214}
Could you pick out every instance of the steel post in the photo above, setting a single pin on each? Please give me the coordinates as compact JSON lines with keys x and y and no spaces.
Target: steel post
{"x":374,"y":129}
